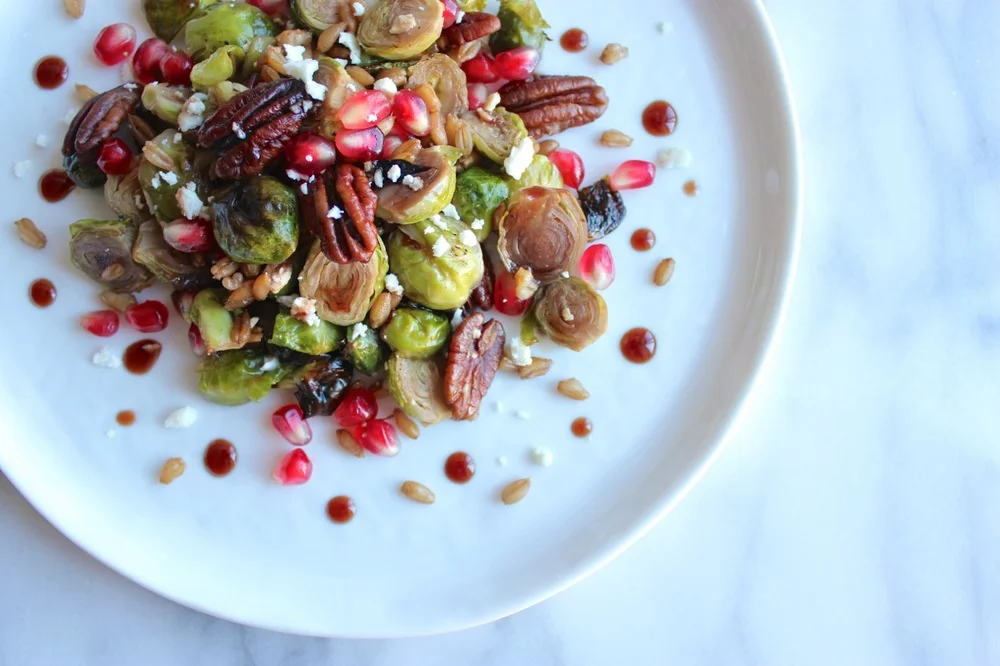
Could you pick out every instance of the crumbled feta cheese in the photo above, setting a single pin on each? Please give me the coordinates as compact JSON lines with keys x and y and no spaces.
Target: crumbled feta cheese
{"x":394,"y":171}
{"x":304,"y":309}
{"x":304,"y":188}
{"x":154,"y":182}
{"x":428,"y":230}
{"x":567,"y":315}
{"x":239,"y":131}
{"x":359,"y":9}
{"x":542,"y":456}
{"x":270,"y":363}
{"x":169,"y":177}
{"x":111,"y":434}
{"x":522,"y":414}
{"x":190,"y":203}
{"x":392,"y":284}
{"x":351,"y":42}
{"x":42,"y":141}
{"x":451,"y":211}
{"x":21,"y":168}
{"x":518,"y":352}
{"x":564,"y":275}
{"x":388,"y":86}
{"x":478,"y":224}
{"x":378,"y":178}
{"x":673,"y":158}
{"x":178,"y":137}
{"x":439,"y":222}
{"x":341,"y":62}
{"x":502,"y":461}
{"x":335,"y":213}
{"x":356,"y":332}
{"x":295,"y":175}
{"x":413,"y":182}
{"x":303,"y":70}
{"x":456,"y":318}
{"x":294,"y":53}
{"x":468,"y":237}
{"x":105,"y":358}
{"x":181,"y":418}
{"x":440,"y":247}
{"x":459,"y":16}
{"x":130,"y":86}
{"x":192,"y":114}
{"x":519,"y":158}
{"x":70,"y":116}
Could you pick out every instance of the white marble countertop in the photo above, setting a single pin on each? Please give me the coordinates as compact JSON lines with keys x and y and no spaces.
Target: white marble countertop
{"x":852,"y":519}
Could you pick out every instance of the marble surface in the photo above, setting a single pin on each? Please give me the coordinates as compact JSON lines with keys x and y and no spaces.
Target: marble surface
{"x":852,"y":519}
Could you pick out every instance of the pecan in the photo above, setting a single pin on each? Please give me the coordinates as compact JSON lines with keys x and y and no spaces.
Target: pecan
{"x":474,"y":25}
{"x":249,"y":131}
{"x":345,"y":225}
{"x":550,"y":104}
{"x":482,"y":295}
{"x":473,"y":358}
{"x":100,"y":119}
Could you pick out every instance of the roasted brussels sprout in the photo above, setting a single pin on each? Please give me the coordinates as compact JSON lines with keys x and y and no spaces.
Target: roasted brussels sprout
{"x":124,"y":195}
{"x":167,"y":17}
{"x":320,"y":385}
{"x":542,"y":173}
{"x":321,"y":338}
{"x":213,"y":320}
{"x":434,"y":266}
{"x":416,"y":198}
{"x":472,"y":5}
{"x":238,"y":376}
{"x":218,"y":67}
{"x":343,"y":292}
{"x":255,"y":50}
{"x":521,"y":24}
{"x":160,"y":187}
{"x":418,"y":388}
{"x":571,"y":313}
{"x":544,"y":230}
{"x":257,"y":221}
{"x":222,"y":92}
{"x":400,"y":29}
{"x":226,"y":24}
{"x":364,"y":350}
{"x":84,"y":172}
{"x":317,"y":15}
{"x":415,"y":333}
{"x":604,"y":208}
{"x":163,"y":261}
{"x":497,"y":137}
{"x":478,"y":193}
{"x":103,"y":251}
{"x":340,"y":87}
{"x":165,"y":101}
{"x":446,"y":78}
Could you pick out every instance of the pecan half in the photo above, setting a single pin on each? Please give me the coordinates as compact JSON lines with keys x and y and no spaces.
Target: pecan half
{"x":249,"y":132}
{"x":550,"y":104}
{"x":100,"y":119}
{"x":473,"y":358}
{"x":474,"y":25}
{"x":345,"y":224}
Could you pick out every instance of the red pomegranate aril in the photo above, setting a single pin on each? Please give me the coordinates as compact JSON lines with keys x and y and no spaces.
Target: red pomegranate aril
{"x":570,"y":165}
{"x":294,"y":469}
{"x":175,"y":66}
{"x":146,"y":61}
{"x":115,"y":158}
{"x":148,"y":316}
{"x":358,"y":406}
{"x":102,"y":323}
{"x":365,"y":109}
{"x":310,"y":154}
{"x":505,"y":296}
{"x":480,"y":69}
{"x":114,"y":44}
{"x":189,"y":235}
{"x":197,"y":342}
{"x":360,"y":145}
{"x":633,"y":174}
{"x":478,"y":92}
{"x":378,"y":437}
{"x":517,"y":64}
{"x":450,"y":12}
{"x":390,"y":144}
{"x":292,"y":425}
{"x":411,"y":113}
{"x":269,"y":6}
{"x":597,"y":266}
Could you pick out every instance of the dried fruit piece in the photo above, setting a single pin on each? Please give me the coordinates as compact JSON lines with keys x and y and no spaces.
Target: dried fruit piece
{"x":30,"y":234}
{"x":347,"y":442}
{"x":417,"y":492}
{"x":573,"y":389}
{"x":291,"y":424}
{"x":102,"y":323}
{"x":632,"y":175}
{"x":294,"y":469}
{"x":473,"y":358}
{"x":597,"y":266}
{"x":358,"y":406}
{"x":515,"y":491}
{"x":604,"y":208}
{"x":663,"y":272}
{"x":172,"y":470}
{"x":114,"y":44}
{"x":378,"y":437}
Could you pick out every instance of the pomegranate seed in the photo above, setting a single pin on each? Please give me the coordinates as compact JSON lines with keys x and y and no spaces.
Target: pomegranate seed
{"x":633,"y":174}
{"x":115,"y":158}
{"x":269,"y":6}
{"x":292,"y":425}
{"x":365,"y":109}
{"x":410,"y":111}
{"x":114,"y":44}
{"x":360,"y":145}
{"x":294,"y":469}
{"x":516,"y":64}
{"x":378,"y":437}
{"x":597,"y":266}
{"x":358,"y":406}
{"x":189,"y":235}
{"x":183,"y":300}
{"x":478,"y":92}
{"x":389,"y":146}
{"x":148,"y":316}
{"x":450,"y":12}
{"x":197,"y":342}
{"x":102,"y":323}
{"x":146,"y":62}
{"x":176,"y":68}
{"x":310,"y":154}
{"x":570,"y":165}
{"x":505,"y":296}
{"x":480,"y":69}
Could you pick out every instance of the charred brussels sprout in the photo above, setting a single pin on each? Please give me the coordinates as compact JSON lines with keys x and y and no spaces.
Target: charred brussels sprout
{"x":160,"y":187}
{"x":434,"y":266}
{"x":540,"y":173}
{"x":238,"y":376}
{"x":213,"y":320}
{"x":416,"y":198}
{"x":414,"y":333}
{"x":343,"y":292}
{"x":85,"y":173}
{"x":167,"y":17}
{"x":124,"y":195}
{"x":544,"y":230}
{"x":218,"y":67}
{"x":400,"y":29}
{"x":496,"y":137}
{"x":163,"y":261}
{"x":226,"y":24}
{"x":418,"y":389}
{"x":320,"y":385}
{"x":364,"y":350}
{"x":571,"y":313}
{"x":446,"y":78}
{"x":521,"y":24}
{"x":478,"y":193}
{"x":291,"y":333}
{"x":317,"y":15}
{"x":603,"y":207}
{"x":257,"y":221}
{"x":165,"y":101}
{"x":103,"y":251}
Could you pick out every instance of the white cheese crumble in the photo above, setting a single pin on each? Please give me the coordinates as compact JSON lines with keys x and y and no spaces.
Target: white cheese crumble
{"x":459,"y":16}
{"x":359,"y":9}
{"x":519,"y":158}
{"x":519,"y":353}
{"x":428,"y":230}
{"x":181,"y":418}
{"x":304,"y":188}
{"x":392,"y":284}
{"x":388,"y":86}
{"x":439,"y":222}
{"x":542,"y":456}
{"x":378,"y":179}
{"x":42,"y":141}
{"x":304,"y":309}
{"x":468,"y":237}
{"x":522,"y":414}
{"x":335,"y":213}
{"x":478,"y":224}
{"x":190,"y":203}
{"x":239,"y":131}
{"x":294,"y":53}
{"x":674,"y":158}
{"x":105,"y":358}
{"x":295,"y":175}
{"x":351,"y":42}
{"x":567,"y":315}
{"x":21,"y":168}
{"x":451,"y":211}
{"x":440,"y":247}
{"x":394,"y":171}
{"x":356,"y":331}
{"x":303,"y":70}
{"x":564,"y":275}
{"x":154,"y":182}
{"x":192,"y":114}
{"x":456,"y":318}
{"x":169,"y":177}
{"x":413,"y":182}
{"x":270,"y":363}
{"x":178,"y":137}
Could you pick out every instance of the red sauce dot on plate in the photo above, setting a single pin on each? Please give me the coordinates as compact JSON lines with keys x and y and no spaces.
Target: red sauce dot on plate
{"x":341,"y":509}
{"x":42,"y":292}
{"x":574,"y":40}
{"x":55,"y":185}
{"x":691,"y":188}
{"x":638,"y":345}
{"x":220,"y":457}
{"x":643,"y":239}
{"x":581,"y":427}
{"x":51,"y":72}
{"x":459,"y":467}
{"x":140,"y":356}
{"x":125,"y":418}
{"x":660,"y":118}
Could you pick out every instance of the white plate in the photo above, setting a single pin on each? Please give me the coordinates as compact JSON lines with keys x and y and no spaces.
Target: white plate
{"x":248,"y":550}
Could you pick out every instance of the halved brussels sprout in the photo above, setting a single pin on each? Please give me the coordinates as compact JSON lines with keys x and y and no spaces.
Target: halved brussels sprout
{"x":165,"y":101}
{"x":418,"y":388}
{"x":214,"y":321}
{"x":521,"y":24}
{"x":124,"y":195}
{"x":497,"y":137}
{"x":317,"y":15}
{"x":257,"y":221}
{"x":84,"y":172}
{"x":472,"y":5}
{"x":541,"y":173}
{"x":218,"y":67}
{"x":400,"y":29}
{"x":434,"y":266}
{"x":291,"y":333}
{"x":544,"y":230}
{"x":255,"y":50}
{"x":320,"y":385}
{"x":222,"y":92}
{"x":571,"y":313}
{"x":446,"y":78}
{"x":238,"y":376}
{"x":415,"y":333}
{"x":478,"y":193}
{"x":226,"y":24}
{"x":160,"y":187}
{"x":340,"y":87}
{"x":343,"y":292}
{"x":364,"y":350}
{"x":167,"y":17}
{"x":163,"y":261}
{"x":416,"y":198}
{"x":103,"y":251}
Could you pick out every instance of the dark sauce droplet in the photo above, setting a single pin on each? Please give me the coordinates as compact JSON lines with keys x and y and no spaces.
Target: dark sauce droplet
{"x":459,"y":467}
{"x":638,"y":345}
{"x":643,"y":239}
{"x":220,"y":457}
{"x":341,"y":509}
{"x":140,"y":356}
{"x":55,"y":185}
{"x":581,"y":427}
{"x":51,"y":72}
{"x":574,"y":40}
{"x":125,"y":418}
{"x":660,"y":118}
{"x":691,"y":188}
{"x":42,"y":292}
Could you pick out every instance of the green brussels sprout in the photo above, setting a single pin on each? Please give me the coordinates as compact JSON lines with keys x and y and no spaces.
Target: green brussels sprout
{"x":103,"y":251}
{"x":435,"y":268}
{"x":496,"y":138}
{"x":529,"y":329}
{"x":238,"y":376}
{"x":160,"y":187}
{"x":542,"y":173}
{"x":316,"y":15}
{"x":167,"y":17}
{"x":400,"y":29}
{"x":85,"y":173}
{"x":521,"y":24}
{"x":257,"y":221}
{"x":472,"y":5}
{"x":214,"y":321}
{"x":571,"y":313}
{"x":322,"y":338}
{"x":163,"y":261}
{"x":216,"y":68}
{"x":478,"y":193}
{"x":124,"y":195}
{"x":364,"y":350}
{"x":415,"y":333}
{"x":226,"y":24}
{"x":224,"y":91}
{"x":165,"y":101}
{"x":255,"y":51}
{"x":343,"y":292}
{"x":542,"y":229}
{"x":418,"y":388}
{"x":426,"y":195}
{"x":446,"y":78}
